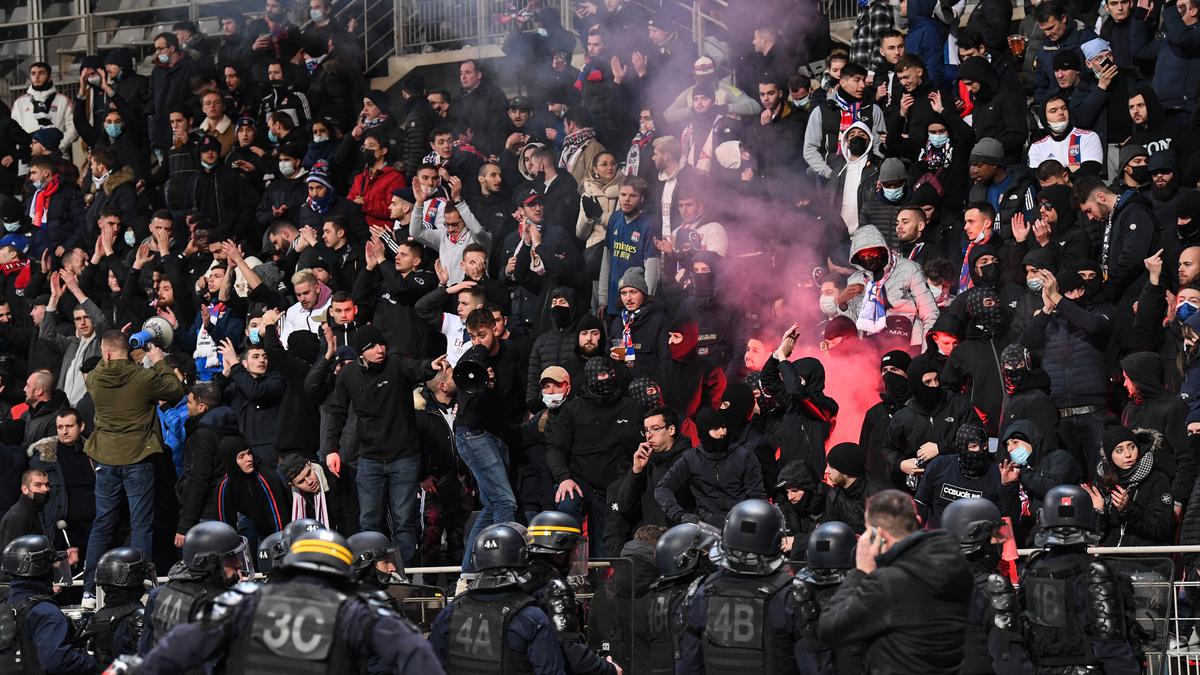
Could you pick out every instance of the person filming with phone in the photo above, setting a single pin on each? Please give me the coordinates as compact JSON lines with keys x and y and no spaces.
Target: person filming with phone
{"x":907,"y":598}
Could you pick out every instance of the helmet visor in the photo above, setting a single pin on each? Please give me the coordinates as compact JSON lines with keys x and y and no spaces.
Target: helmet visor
{"x":239,"y":559}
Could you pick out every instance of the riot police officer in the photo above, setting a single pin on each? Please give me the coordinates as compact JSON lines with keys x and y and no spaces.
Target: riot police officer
{"x":35,"y":636}
{"x":682,"y":557}
{"x":309,"y":621}
{"x":275,"y":545}
{"x":743,"y":618}
{"x":993,"y":642}
{"x":117,"y":626}
{"x":830,"y":554}
{"x":214,"y":557}
{"x":1073,"y":608}
{"x":375,"y":564}
{"x":553,"y":536}
{"x":496,"y":627}
{"x":269,"y":550}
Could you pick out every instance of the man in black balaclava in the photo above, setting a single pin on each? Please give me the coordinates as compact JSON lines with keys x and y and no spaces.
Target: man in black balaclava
{"x":1028,"y":392}
{"x":689,"y":381}
{"x":895,"y":394}
{"x":717,"y":475}
{"x":717,"y":320}
{"x":554,"y":347}
{"x":737,"y":404}
{"x":1185,"y":216}
{"x":970,"y":472}
{"x":971,"y":369}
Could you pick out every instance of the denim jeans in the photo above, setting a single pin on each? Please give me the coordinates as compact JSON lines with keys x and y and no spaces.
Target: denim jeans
{"x":1082,"y":436}
{"x":136,"y":481}
{"x":487,"y":458}
{"x":396,"y":480}
{"x":594,"y":504}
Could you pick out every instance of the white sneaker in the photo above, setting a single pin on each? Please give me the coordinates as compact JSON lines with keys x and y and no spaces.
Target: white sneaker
{"x":88,"y":602}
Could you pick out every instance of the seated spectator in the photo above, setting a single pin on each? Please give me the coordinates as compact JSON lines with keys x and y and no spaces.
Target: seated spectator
{"x":844,"y":499}
{"x":250,"y":491}
{"x":319,"y":495}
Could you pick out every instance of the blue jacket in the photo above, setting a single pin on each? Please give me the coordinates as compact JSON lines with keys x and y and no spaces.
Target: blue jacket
{"x":50,"y":631}
{"x":628,"y":244}
{"x":927,"y":39}
{"x":529,"y":633}
{"x":1076,"y":35}
{"x":174,"y":434}
{"x":1177,"y":66}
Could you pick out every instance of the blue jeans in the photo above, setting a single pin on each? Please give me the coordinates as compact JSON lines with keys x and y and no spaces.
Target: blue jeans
{"x":595,"y":505}
{"x":398,"y":480}
{"x":487,"y":458}
{"x":137,"y":483}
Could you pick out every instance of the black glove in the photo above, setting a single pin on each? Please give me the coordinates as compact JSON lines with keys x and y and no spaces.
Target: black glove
{"x":690,"y":518}
{"x":591,"y":207}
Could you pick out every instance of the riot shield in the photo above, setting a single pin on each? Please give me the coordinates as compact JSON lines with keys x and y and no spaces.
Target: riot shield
{"x":419,"y":604}
{"x":1151,"y":577}
{"x":606,"y":606}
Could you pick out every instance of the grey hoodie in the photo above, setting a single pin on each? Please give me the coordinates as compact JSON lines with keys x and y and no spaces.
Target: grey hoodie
{"x":906,"y":290}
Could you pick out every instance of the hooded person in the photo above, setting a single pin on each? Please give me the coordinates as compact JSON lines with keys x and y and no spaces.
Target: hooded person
{"x":689,"y":381}
{"x":974,"y":367}
{"x":1152,"y":128}
{"x":894,"y":394}
{"x":926,"y":39}
{"x":1152,"y":406}
{"x":1030,"y":302}
{"x":797,"y":493}
{"x":884,"y":285}
{"x":970,"y":472}
{"x":1026,"y":392}
{"x":807,"y":413}
{"x":716,"y":316}
{"x":853,"y":183}
{"x":1040,"y":466}
{"x":737,"y":403}
{"x":993,"y":110}
{"x":248,"y":490}
{"x":844,"y":498}
{"x":591,"y":339}
{"x":925,"y":427}
{"x":1133,"y":498}
{"x":1068,"y":239}
{"x":557,"y":345}
{"x":717,"y":475}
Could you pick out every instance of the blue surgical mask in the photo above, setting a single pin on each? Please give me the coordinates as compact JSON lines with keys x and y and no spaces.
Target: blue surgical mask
{"x":255,"y":337}
{"x":113,"y":130}
{"x":316,"y":15}
{"x":37,"y":184}
{"x":1020,"y":456}
{"x":1184,"y":311}
{"x":938,"y":140}
{"x":893,"y":194}
{"x":129,"y":238}
{"x":12,"y":227}
{"x":164,"y":58}
{"x":272,"y":137}
{"x":319,"y":139}
{"x":1034,"y":284}
{"x":206,"y":165}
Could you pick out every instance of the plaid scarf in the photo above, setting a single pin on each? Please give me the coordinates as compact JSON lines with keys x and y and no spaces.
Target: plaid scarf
{"x":573,"y":145}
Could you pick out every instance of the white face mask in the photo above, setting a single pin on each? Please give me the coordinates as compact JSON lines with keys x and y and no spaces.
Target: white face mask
{"x":287,"y":168}
{"x":1059,"y":127}
{"x":553,"y":401}
{"x":828,"y":305}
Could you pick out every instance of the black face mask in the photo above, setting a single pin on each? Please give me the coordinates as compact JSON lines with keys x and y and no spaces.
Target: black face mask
{"x":896,"y":386}
{"x":702,"y":284}
{"x":39,"y":499}
{"x":928,"y":397}
{"x":974,"y":464}
{"x":1140,"y":175}
{"x":989,"y":273}
{"x":1190,"y":231}
{"x":857,"y":146}
{"x":716,"y":446}
{"x":368,"y":157}
{"x":560,"y":316}
{"x":1091,"y":288}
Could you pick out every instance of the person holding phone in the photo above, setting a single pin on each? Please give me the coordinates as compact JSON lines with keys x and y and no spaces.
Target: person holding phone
{"x":907,"y":598}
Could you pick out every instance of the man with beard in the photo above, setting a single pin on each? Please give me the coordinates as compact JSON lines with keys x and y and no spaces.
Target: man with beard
{"x":707,"y":129}
{"x":970,"y":472}
{"x":1008,"y":188}
{"x":925,"y":426}
{"x":993,"y":643}
{"x":1130,"y":231}
{"x":1057,"y":230}
{"x":25,"y":517}
{"x":72,"y":482}
{"x":779,"y":131}
{"x":590,"y":340}
{"x":844,"y":499}
{"x":1165,"y":192}
{"x":1151,"y":127}
{"x":894,"y":395}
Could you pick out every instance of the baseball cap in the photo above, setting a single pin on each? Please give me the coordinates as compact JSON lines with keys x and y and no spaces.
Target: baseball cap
{"x":555,"y":374}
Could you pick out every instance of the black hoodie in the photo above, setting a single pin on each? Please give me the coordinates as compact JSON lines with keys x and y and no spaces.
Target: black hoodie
{"x":259,"y":495}
{"x":1047,"y":467}
{"x":999,"y":112}
{"x":808,"y":418}
{"x":1156,"y":408}
{"x":1158,"y":133}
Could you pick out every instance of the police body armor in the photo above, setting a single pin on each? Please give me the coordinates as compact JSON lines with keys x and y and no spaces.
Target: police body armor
{"x":808,"y":589}
{"x":557,"y":600}
{"x":737,"y":638}
{"x":993,"y":609}
{"x":1069,"y":601}
{"x":178,"y":602}
{"x":101,"y":629}
{"x":18,"y":654}
{"x":668,"y":618}
{"x":294,"y":630}
{"x":477,"y":635}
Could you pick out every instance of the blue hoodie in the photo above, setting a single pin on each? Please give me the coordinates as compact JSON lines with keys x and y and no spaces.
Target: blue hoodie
{"x":927,"y":39}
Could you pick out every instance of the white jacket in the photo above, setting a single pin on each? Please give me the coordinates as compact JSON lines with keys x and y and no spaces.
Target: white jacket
{"x":58,"y":114}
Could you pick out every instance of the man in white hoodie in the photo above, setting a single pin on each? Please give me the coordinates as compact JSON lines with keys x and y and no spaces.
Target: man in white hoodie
{"x":854,"y":182}
{"x":43,"y":106}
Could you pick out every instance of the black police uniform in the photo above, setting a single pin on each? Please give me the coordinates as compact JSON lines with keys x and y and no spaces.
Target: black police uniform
{"x":117,"y":627}
{"x":497,"y":631}
{"x":303,"y":625}
{"x":557,"y":600}
{"x":740,"y":624}
{"x":993,"y":643}
{"x":814,"y":590}
{"x":35,"y":636}
{"x":666,"y":618}
{"x":181,"y":600}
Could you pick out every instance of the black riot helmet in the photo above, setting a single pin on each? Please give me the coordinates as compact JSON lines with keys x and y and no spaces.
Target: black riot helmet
{"x":831,"y":547}
{"x":1066,"y":517}
{"x":500,"y":546}
{"x":123,"y":567}
{"x":680,"y":549}
{"x":294,"y":529}
{"x":209,"y":543}
{"x":552,"y":532}
{"x":369,"y":548}
{"x":321,"y":551}
{"x":751,"y":538}
{"x":270,"y":552}
{"x":972,"y":522}
{"x":30,"y":556}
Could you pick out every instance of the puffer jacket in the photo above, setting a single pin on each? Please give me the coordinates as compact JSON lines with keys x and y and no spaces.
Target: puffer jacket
{"x":717,"y":481}
{"x":1031,"y":401}
{"x":1072,"y":341}
{"x":1177,"y":68}
{"x":904,"y":285}
{"x":927,"y":39}
{"x":1148,"y":519}
{"x":649,"y":335}
{"x":417,"y":120}
{"x":555,"y":347}
{"x":1156,"y":408}
{"x":202,"y":466}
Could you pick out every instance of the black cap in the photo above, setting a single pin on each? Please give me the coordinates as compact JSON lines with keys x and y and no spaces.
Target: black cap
{"x":209,"y":143}
{"x":366,"y":337}
{"x":520,"y":103}
{"x":1162,"y":160}
{"x":530,"y":196}
{"x":1067,"y":59}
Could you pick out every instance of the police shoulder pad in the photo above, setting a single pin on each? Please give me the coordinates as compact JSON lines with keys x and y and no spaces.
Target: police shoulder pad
{"x":1099,"y":572}
{"x":225,"y":604}
{"x":801,"y":591}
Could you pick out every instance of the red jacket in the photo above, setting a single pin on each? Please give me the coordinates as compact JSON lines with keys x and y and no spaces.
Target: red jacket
{"x":376,"y":191}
